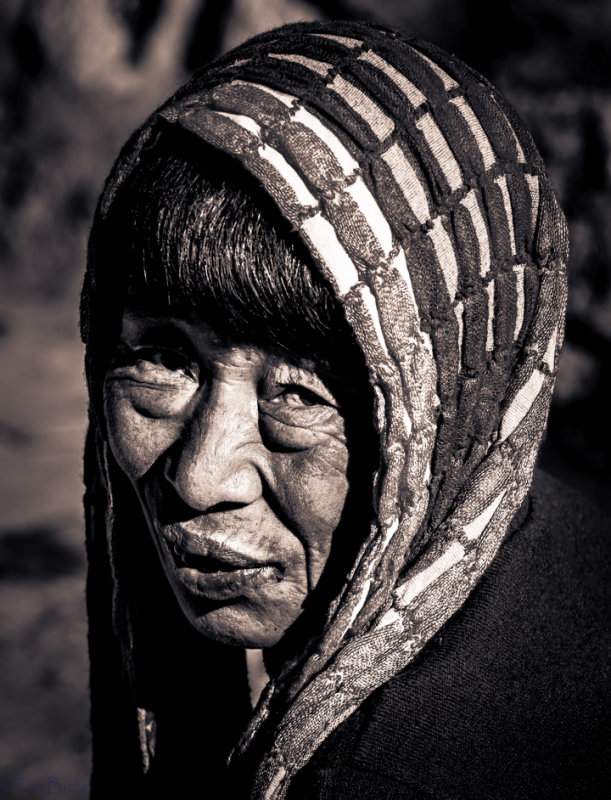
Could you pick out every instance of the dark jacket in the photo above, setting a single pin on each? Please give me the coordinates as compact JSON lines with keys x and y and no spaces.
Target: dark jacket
{"x":511,"y":699}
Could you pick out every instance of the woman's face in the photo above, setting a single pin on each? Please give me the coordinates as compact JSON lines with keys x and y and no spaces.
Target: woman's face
{"x":239,"y":458}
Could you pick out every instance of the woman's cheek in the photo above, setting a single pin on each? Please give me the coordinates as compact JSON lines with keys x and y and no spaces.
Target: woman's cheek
{"x":312,"y":490}
{"x":136,"y":440}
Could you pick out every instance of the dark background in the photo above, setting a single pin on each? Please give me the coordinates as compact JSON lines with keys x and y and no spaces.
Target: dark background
{"x":76,"y":77}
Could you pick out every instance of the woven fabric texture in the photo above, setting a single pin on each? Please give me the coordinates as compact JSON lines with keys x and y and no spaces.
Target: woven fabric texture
{"x":424,"y":202}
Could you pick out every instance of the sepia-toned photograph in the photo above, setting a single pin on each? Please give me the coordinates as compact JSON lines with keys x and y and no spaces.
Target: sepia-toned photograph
{"x":305,"y":327}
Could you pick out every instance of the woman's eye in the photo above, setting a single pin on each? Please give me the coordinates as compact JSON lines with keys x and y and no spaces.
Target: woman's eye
{"x":169,"y":359}
{"x":295,"y":417}
{"x":158,"y":365}
{"x":295,"y":395}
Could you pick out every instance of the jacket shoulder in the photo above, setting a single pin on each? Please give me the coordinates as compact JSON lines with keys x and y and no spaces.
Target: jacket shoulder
{"x":511,"y":698}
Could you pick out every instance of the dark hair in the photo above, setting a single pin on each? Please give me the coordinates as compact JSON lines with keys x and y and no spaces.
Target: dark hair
{"x":190,"y":228}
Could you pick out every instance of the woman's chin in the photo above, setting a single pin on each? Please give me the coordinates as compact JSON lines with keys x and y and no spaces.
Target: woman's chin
{"x":238,"y":625}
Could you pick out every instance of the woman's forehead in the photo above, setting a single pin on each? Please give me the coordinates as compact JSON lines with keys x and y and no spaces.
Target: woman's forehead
{"x":149,"y":320}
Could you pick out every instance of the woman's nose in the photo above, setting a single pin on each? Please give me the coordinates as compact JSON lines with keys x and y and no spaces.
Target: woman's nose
{"x":216,"y":461}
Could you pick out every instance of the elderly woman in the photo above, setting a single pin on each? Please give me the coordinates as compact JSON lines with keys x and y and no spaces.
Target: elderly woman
{"x":323,"y":310}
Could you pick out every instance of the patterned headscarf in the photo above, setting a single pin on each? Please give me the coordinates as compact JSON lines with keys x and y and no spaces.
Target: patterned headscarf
{"x":424,"y":203}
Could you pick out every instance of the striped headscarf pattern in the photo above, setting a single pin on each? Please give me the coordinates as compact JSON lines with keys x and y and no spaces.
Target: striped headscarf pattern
{"x":424,"y":202}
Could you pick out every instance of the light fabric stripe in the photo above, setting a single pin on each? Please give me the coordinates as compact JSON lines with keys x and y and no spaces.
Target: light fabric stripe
{"x":475,"y":126}
{"x":274,"y":783}
{"x":379,"y":407}
{"x":445,"y":256}
{"x":390,"y":618}
{"x":521,"y":404}
{"x":475,"y":528}
{"x":361,"y":601}
{"x":501,"y":182}
{"x":240,"y":61}
{"x":320,"y":67}
{"x":302,"y":193}
{"x":411,"y":92}
{"x":448,"y":82}
{"x":519,"y":271}
{"x":400,"y":265}
{"x":341,"y":39}
{"x":441,"y":150}
{"x":379,"y":122}
{"x":370,"y":304}
{"x":348,"y":164}
{"x":407,"y":180}
{"x":533,"y":186}
{"x":459,"y":310}
{"x":407,"y":424}
{"x":305,"y":118}
{"x":391,"y":528}
{"x":378,"y":223}
{"x":248,"y":123}
{"x":472,"y":206}
{"x":550,"y":353}
{"x":411,"y":589}
{"x":321,"y":236}
{"x":490,"y":330}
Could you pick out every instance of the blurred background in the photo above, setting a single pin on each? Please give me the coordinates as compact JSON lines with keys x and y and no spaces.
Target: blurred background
{"x":76,"y":77}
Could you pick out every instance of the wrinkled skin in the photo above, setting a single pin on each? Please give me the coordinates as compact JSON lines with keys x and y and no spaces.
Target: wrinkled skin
{"x":239,"y":458}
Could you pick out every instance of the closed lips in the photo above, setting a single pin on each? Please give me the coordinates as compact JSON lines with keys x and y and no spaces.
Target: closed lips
{"x":223,"y":579}
{"x":207,"y":563}
{"x":208,"y":555}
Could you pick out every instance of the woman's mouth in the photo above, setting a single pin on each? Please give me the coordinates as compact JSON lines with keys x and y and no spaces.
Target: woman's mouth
{"x":222,"y":575}
{"x":202,"y":563}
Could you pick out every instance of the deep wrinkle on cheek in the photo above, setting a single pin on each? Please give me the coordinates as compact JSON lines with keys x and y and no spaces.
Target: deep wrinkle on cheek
{"x":318,"y":472}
